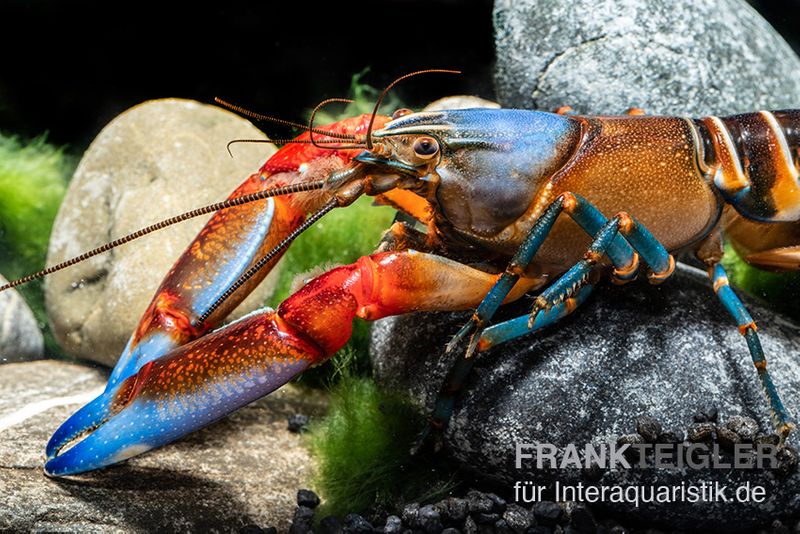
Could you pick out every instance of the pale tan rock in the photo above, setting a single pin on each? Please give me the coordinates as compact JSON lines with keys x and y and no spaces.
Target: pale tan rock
{"x":460,"y":102}
{"x":245,"y":469}
{"x":154,"y":161}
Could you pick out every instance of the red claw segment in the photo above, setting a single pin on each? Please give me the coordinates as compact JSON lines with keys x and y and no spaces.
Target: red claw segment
{"x":202,"y":381}
{"x":384,"y":284}
{"x":230,"y":243}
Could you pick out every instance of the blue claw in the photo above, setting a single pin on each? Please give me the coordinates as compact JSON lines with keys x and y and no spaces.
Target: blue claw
{"x":88,"y":417}
{"x":110,"y":443}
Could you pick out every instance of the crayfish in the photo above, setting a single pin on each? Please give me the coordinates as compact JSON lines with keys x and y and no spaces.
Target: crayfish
{"x":511,"y":202}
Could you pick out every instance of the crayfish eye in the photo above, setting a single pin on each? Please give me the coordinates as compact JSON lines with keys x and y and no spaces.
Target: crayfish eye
{"x":400,"y":112}
{"x":426,"y":147}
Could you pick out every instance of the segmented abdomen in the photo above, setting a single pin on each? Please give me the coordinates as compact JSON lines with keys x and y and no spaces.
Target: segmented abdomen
{"x":753,"y":160}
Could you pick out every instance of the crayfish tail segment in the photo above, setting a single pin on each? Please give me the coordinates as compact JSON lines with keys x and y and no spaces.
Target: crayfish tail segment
{"x":780,"y":259}
{"x":768,"y":246}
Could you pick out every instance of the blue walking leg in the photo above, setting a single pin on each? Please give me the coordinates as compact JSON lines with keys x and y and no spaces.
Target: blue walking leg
{"x":623,"y":239}
{"x":624,"y":259}
{"x":463,"y":366}
{"x":780,"y":417}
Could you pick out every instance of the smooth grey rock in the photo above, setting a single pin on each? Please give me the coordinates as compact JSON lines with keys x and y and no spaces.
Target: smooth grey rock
{"x":244,"y":470}
{"x":155,"y":160}
{"x":667,"y":57}
{"x":20,"y":337}
{"x":664,"y":351}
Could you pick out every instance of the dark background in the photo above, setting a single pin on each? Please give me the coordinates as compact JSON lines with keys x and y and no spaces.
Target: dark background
{"x":69,"y":67}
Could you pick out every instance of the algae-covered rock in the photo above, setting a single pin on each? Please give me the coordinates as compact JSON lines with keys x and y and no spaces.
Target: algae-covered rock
{"x":154,"y":161}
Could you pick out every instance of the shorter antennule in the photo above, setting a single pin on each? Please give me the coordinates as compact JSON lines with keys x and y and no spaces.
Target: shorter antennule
{"x":388,"y":88}
{"x":238,"y":201}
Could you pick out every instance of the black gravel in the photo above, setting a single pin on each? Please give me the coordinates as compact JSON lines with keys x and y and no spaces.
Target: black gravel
{"x":479,"y":512}
{"x":297,"y":423}
{"x":307,"y":498}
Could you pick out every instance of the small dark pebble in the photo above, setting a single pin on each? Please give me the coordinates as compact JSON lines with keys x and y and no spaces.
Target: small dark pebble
{"x":457,"y":510}
{"x":501,"y":527}
{"x":355,"y":524}
{"x":498,"y":503}
{"x":484,"y":518}
{"x":547,"y":512}
{"x":451,"y":530}
{"x":669,"y":437}
{"x":631,"y":453}
{"x":648,"y":428}
{"x":777,"y":527}
{"x":302,"y":521}
{"x":478,"y":502}
{"x":630,"y":439}
{"x":581,"y":518}
{"x":727,"y":438}
{"x":518,"y":518}
{"x":429,"y":520}
{"x":593,"y":473}
{"x":787,"y":460}
{"x":297,"y":423}
{"x":746,"y":427}
{"x":330,"y":525}
{"x":700,"y":432}
{"x":410,"y":513}
{"x":539,"y":529}
{"x":251,"y":529}
{"x":709,"y":415}
{"x":767,"y":439}
{"x":394,"y":525}
{"x":469,"y":526}
{"x":308,"y":498}
{"x":609,"y":525}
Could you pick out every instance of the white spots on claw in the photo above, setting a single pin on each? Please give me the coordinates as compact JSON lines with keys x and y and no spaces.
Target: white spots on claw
{"x":129,"y":452}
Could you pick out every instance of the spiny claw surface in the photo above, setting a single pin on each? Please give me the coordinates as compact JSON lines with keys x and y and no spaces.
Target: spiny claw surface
{"x":185,"y":390}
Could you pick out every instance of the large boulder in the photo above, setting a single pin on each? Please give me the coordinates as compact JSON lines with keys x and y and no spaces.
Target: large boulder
{"x":244,"y":470}
{"x":20,"y":337}
{"x":153,"y":161}
{"x":670,"y":352}
{"x":677,"y":58}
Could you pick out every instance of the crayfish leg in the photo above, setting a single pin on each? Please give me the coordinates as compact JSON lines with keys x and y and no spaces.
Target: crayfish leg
{"x":206,"y":379}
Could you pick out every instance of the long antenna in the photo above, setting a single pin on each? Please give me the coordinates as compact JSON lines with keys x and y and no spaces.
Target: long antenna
{"x":238,"y":201}
{"x":388,"y":87}
{"x":285,"y":242}
{"x":260,"y":117}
